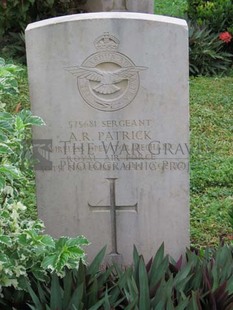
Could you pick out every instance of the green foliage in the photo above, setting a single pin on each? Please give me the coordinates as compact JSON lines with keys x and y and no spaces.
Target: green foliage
{"x":175,"y":8}
{"x":206,"y":53}
{"x":13,"y":46}
{"x":8,"y":81}
{"x":14,"y":146}
{"x":218,"y":14}
{"x":24,"y":249}
{"x":15,"y":135}
{"x":28,"y":253}
{"x":84,"y":288}
{"x":205,"y":281}
{"x":16,"y":14}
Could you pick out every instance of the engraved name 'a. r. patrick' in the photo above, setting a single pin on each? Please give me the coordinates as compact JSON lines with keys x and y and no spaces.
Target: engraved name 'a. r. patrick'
{"x":107,"y":80}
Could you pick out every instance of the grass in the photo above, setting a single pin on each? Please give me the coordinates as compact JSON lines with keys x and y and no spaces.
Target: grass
{"x":175,"y":8}
{"x":211,"y":149}
{"x":211,"y":102}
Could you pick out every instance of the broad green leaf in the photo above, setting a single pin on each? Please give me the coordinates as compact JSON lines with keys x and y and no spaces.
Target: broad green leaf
{"x":35,"y":121}
{"x":80,"y":240}
{"x":56,"y":293}
{"x":61,"y":260}
{"x":144,"y":295}
{"x":5,"y":240}
{"x":92,"y":296}
{"x":9,"y":171}
{"x":5,"y":116}
{"x":49,"y":262}
{"x":136,"y":260}
{"x":5,"y":149}
{"x":158,"y":271}
{"x":159,"y":256}
{"x":75,"y":250}
{"x":47,"y":241}
{"x":68,"y":284}
{"x":29,"y":119}
{"x":77,"y":297}
{"x":35,"y":299}
{"x":19,"y":125}
{"x":95,"y":265}
{"x":5,"y":126}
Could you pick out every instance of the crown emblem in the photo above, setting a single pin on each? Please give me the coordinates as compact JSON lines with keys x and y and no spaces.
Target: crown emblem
{"x":106,"y":42}
{"x":107,"y":80}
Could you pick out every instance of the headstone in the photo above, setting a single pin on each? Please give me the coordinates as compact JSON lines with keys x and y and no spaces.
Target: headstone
{"x":145,"y":6}
{"x":112,"y":165}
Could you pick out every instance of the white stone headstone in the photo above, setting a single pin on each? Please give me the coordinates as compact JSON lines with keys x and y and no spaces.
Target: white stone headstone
{"x":112,"y":89}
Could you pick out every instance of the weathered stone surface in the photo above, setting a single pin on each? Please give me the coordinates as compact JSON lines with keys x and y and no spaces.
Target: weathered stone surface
{"x":113,"y":91}
{"x":146,"y":6}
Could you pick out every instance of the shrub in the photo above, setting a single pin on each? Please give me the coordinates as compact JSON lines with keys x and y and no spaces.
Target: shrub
{"x":206,"y":52}
{"x":217,"y":15}
{"x":205,"y":281}
{"x":16,"y":14}
{"x":25,"y":249}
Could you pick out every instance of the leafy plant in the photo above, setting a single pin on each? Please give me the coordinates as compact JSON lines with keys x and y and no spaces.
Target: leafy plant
{"x":25,"y":250}
{"x":206,"y":53}
{"x":85,"y":288}
{"x":8,"y":81}
{"x":205,"y":281}
{"x":23,"y":247}
{"x":13,"y":46}
{"x":218,"y":14}
{"x":17,"y":14}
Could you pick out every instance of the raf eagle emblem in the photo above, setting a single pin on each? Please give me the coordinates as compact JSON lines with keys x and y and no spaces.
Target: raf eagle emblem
{"x":106,"y":79}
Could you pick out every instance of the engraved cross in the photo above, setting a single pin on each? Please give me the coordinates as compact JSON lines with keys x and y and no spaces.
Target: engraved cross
{"x":113,"y":208}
